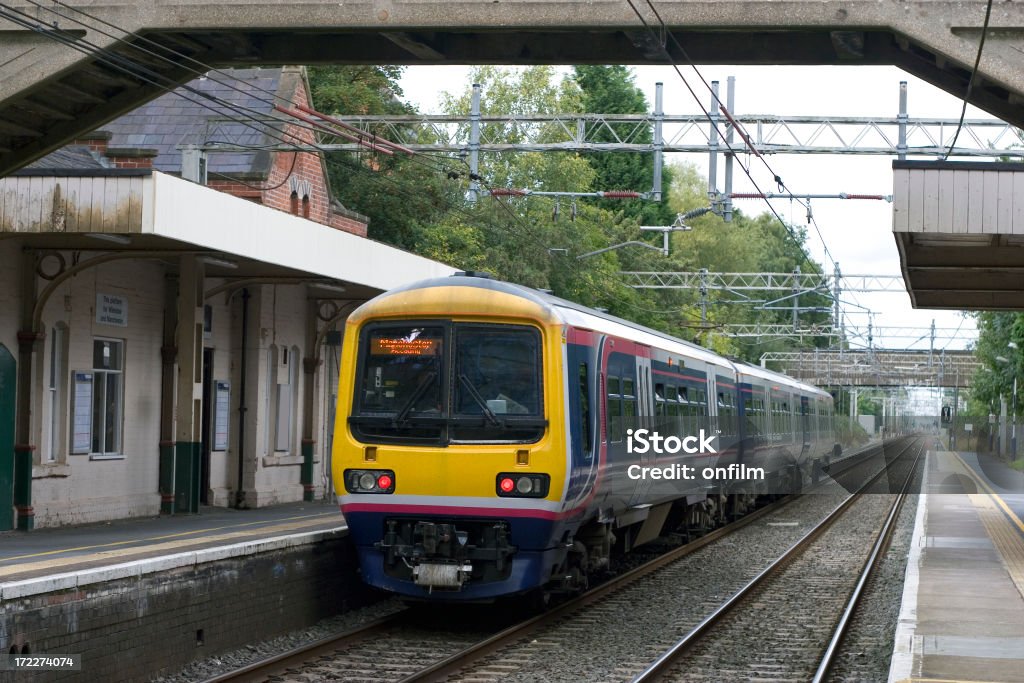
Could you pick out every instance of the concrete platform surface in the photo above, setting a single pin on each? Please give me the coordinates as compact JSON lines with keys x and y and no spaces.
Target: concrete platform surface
{"x":962,"y":616}
{"x":49,"y":552}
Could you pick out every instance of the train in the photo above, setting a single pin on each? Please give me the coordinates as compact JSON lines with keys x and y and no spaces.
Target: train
{"x":488,"y":439}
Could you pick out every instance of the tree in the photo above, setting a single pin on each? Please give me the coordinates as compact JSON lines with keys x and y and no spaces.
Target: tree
{"x":419,"y":204}
{"x":357,"y":89}
{"x":403,"y":198}
{"x":612,"y":90}
{"x":995,"y":378}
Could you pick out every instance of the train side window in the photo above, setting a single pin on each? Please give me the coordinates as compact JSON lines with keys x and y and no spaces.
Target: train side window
{"x":659,"y":399}
{"x":614,"y":410}
{"x":585,"y":434}
{"x":628,"y":405}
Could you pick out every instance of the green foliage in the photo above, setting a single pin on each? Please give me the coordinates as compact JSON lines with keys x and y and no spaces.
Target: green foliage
{"x":405,"y":199}
{"x":415,"y":204}
{"x":995,"y":378}
{"x":357,"y":89}
{"x":612,"y":90}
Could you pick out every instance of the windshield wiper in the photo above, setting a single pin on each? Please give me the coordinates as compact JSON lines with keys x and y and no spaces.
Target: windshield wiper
{"x":488,"y":413}
{"x":407,"y":407}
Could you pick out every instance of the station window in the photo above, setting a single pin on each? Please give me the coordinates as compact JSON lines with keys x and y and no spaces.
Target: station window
{"x":107,"y":395}
{"x":285,"y":399}
{"x":57,"y":392}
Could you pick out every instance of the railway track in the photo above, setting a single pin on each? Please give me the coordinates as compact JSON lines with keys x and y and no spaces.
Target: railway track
{"x":404,"y":647}
{"x":822,"y":575}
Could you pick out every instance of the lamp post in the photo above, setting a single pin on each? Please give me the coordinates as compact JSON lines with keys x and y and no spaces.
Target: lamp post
{"x":1003,"y":400}
{"x":1013,"y":408}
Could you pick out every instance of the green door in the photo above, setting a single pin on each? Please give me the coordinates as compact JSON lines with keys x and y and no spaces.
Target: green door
{"x":7,"y":386}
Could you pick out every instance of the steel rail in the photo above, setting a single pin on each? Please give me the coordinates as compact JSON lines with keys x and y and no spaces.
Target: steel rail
{"x":460,"y":660}
{"x":277,"y":664}
{"x":657,"y":669}
{"x":262,"y":669}
{"x":870,"y":565}
{"x":441,"y":670}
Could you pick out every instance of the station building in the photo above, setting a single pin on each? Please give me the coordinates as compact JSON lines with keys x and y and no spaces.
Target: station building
{"x":166,"y":344}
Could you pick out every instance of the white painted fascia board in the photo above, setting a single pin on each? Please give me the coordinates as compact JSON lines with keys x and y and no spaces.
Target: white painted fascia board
{"x":191,"y":213}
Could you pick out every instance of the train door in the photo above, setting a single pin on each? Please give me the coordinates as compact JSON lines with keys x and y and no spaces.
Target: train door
{"x":712,"y":418}
{"x":645,"y":415}
{"x":645,"y":394}
{"x":805,"y":422}
{"x":585,"y":404}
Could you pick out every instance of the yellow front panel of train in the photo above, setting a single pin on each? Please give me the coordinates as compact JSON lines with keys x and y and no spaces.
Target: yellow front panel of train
{"x":456,"y":469}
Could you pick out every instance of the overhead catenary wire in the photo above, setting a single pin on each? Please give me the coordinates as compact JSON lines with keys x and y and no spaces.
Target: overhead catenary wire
{"x":141,"y":73}
{"x":243,"y":115}
{"x":970,"y":81}
{"x":714,"y":123}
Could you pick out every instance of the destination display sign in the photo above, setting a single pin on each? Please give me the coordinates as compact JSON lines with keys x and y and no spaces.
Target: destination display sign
{"x":388,"y":346}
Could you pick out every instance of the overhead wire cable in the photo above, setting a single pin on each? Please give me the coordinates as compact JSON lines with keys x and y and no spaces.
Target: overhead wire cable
{"x":970,"y":81}
{"x":707,"y":114}
{"x":246,"y":116}
{"x":741,"y":131}
{"x":139,"y":72}
{"x":202,"y":69}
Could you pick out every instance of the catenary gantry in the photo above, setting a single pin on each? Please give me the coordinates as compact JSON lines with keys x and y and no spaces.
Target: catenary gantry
{"x":876,"y":367}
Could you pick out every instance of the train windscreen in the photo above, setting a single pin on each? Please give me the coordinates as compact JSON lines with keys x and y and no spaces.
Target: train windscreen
{"x":449,"y":383}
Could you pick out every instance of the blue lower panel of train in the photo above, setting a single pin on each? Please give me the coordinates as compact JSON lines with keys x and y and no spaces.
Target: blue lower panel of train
{"x":529,"y":569}
{"x":460,"y":558}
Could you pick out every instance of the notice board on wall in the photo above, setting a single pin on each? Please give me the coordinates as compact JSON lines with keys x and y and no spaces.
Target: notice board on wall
{"x":221,"y":408}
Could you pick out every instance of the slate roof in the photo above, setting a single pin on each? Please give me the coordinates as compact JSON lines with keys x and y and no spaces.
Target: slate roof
{"x":69,"y":157}
{"x":184,"y":117}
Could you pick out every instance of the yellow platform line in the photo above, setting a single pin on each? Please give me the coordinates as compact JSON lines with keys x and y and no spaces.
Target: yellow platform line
{"x":981,"y":482}
{"x":124,"y":554}
{"x":939,"y":680}
{"x":1008,"y":543}
{"x":160,"y":538}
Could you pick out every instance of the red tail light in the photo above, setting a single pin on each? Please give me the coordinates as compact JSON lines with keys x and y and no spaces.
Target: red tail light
{"x":522,"y":485}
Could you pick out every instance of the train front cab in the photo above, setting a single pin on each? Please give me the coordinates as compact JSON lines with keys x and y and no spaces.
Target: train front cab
{"x":454,"y":412}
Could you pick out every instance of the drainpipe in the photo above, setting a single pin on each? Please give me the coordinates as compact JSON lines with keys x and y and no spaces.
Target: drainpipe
{"x":169,"y":355}
{"x":309,"y":366}
{"x":240,"y":492}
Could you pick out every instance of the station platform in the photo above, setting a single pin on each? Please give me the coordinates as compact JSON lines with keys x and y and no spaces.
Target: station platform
{"x":47,"y":559}
{"x":962,"y":614}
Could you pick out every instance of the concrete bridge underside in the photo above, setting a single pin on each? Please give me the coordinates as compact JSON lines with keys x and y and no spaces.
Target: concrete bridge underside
{"x":54,"y":84}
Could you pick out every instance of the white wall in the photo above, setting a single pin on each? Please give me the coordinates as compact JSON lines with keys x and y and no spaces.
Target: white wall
{"x":81,"y":488}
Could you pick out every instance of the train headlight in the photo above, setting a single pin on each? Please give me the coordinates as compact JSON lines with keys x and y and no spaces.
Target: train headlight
{"x":369,"y":481}
{"x":522,"y":485}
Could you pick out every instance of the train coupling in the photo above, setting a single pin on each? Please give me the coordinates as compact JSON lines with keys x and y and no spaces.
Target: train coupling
{"x":441,"y":575}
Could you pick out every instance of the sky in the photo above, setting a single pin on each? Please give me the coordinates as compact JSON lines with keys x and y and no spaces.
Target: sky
{"x":858,"y":233}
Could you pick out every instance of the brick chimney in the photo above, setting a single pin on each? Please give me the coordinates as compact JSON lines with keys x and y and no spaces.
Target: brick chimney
{"x":96,"y":141}
{"x":131,"y":157}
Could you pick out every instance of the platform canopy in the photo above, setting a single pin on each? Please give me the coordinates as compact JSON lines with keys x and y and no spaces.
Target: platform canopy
{"x":959,"y":227}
